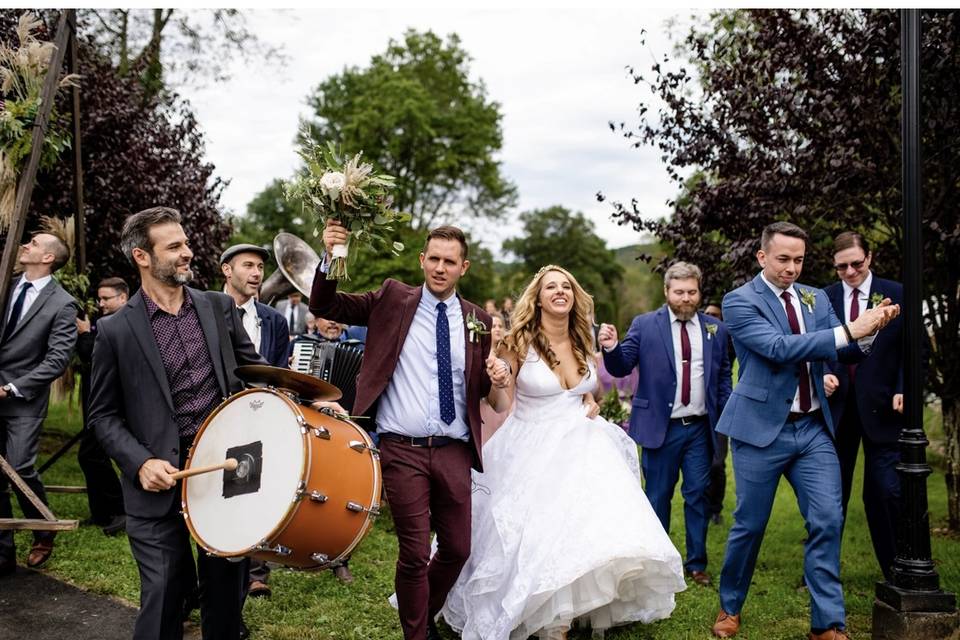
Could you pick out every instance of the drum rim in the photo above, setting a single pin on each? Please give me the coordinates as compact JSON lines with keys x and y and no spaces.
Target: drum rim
{"x":290,"y":512}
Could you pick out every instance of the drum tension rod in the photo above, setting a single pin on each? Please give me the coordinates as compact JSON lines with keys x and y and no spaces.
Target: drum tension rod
{"x":320,"y":432}
{"x":280,"y":550}
{"x":356,"y":507}
{"x":359,"y":446}
{"x":320,"y":558}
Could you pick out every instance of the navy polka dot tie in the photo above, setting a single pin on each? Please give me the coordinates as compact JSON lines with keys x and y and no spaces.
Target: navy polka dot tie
{"x":444,"y":375}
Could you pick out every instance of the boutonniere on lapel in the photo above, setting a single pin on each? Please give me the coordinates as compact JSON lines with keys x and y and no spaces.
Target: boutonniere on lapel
{"x":475,"y":326}
{"x":711,"y":330}
{"x":809,"y":299}
{"x":876,"y":299}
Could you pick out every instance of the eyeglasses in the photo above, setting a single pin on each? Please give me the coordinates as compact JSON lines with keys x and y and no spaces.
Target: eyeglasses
{"x":856,"y":265}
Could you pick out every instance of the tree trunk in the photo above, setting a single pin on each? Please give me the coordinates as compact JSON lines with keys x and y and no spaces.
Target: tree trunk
{"x":951,"y":432}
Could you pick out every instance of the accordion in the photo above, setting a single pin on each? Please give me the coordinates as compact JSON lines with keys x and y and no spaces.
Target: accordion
{"x":335,"y":362}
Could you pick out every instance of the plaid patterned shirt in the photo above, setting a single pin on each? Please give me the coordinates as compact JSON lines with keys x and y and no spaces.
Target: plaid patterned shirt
{"x":186,"y":359}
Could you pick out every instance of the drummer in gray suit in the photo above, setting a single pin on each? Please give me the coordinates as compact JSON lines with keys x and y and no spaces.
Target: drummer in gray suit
{"x":37,"y":337}
{"x":161,"y":364}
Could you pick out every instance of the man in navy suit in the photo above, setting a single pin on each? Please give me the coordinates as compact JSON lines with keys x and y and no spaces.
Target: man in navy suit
{"x":779,"y":423}
{"x":674,"y":414}
{"x":867,"y":403}
{"x":242,"y":267}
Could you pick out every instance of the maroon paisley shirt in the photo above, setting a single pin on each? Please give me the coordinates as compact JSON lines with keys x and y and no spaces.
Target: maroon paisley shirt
{"x":186,"y":358}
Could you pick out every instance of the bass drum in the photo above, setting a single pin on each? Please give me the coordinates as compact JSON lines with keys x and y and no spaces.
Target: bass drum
{"x":305,"y":493}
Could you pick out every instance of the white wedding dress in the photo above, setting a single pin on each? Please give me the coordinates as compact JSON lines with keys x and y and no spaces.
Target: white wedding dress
{"x":561,"y":527}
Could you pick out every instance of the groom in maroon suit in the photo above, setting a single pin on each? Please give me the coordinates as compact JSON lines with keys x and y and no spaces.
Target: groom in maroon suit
{"x":422,"y":377}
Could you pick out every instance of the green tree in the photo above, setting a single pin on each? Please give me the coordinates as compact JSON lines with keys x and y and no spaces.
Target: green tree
{"x":415,"y":113}
{"x":559,"y":236}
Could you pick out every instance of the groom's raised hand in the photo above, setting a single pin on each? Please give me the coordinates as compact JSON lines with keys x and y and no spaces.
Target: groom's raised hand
{"x":334,"y":233}
{"x":607,"y":336}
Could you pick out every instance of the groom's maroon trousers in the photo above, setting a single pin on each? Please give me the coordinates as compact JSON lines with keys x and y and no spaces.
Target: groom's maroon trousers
{"x":427,"y":486}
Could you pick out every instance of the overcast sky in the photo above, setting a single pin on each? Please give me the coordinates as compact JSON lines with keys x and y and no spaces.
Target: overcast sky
{"x":558,"y":74}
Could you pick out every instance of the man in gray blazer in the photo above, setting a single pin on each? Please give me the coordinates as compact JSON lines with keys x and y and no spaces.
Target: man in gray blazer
{"x":161,"y":364}
{"x":37,"y":338}
{"x":295,"y":312}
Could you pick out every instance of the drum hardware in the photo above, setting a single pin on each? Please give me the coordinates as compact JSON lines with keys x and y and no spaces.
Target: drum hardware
{"x":279,"y":550}
{"x":360,"y":447}
{"x":321,"y":558}
{"x":356,"y":507}
{"x":316,"y":496}
{"x":321,"y":432}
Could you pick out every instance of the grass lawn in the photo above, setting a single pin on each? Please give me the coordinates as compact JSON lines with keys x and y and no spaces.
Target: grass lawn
{"x":316,"y":606}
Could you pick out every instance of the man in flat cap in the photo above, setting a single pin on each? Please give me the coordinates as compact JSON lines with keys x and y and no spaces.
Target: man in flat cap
{"x":242,"y":266}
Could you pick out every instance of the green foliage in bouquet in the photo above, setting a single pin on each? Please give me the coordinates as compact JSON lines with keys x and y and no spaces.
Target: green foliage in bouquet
{"x":613,"y":409}
{"x":346,"y":189}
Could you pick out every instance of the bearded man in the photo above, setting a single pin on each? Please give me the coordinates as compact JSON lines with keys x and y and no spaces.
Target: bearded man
{"x":684,"y":381}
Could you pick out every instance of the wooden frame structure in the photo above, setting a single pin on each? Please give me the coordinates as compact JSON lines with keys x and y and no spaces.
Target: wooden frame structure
{"x":66,"y":37}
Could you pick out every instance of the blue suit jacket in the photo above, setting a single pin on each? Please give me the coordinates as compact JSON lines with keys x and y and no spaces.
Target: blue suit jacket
{"x":273,"y":335}
{"x":648,"y":346}
{"x":770,"y":357}
{"x":879,"y":377}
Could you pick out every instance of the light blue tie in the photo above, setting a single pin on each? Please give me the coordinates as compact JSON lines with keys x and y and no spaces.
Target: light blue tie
{"x":444,"y":374}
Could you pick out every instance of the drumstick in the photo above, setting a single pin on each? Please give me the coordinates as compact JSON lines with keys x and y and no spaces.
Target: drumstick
{"x":227,"y":465}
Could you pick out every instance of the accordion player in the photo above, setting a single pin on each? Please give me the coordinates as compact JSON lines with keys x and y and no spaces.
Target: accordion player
{"x":336,"y":362}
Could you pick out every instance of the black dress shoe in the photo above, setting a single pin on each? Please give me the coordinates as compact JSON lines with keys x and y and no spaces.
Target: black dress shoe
{"x":116,"y":525}
{"x":7,"y":567}
{"x":432,"y":632}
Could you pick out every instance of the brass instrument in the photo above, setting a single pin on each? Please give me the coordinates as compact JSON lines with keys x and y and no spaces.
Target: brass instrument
{"x":296,"y":264}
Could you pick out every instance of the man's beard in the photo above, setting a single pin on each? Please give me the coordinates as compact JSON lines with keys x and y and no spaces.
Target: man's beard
{"x":683,"y":313}
{"x":167,"y":274}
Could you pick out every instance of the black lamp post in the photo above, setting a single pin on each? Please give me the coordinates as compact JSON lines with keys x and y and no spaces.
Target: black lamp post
{"x":912,"y":605}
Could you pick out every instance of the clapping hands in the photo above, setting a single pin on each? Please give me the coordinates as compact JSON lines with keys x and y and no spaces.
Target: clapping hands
{"x":874,"y":319}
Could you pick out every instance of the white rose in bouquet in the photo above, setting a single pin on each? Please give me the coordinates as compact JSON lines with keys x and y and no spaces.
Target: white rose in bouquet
{"x":332,"y":183}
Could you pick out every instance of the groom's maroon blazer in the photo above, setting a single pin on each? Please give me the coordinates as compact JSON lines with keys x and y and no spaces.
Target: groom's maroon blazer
{"x":388,"y":312}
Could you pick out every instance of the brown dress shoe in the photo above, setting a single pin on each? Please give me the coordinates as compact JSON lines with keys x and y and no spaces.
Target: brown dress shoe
{"x":830,"y":634}
{"x":726,"y":625}
{"x":342,"y":572}
{"x":702,"y":578}
{"x":258,"y":589}
{"x":39,"y":554}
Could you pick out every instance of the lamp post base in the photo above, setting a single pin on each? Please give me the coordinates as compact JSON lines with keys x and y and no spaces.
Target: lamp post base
{"x":899,"y":614}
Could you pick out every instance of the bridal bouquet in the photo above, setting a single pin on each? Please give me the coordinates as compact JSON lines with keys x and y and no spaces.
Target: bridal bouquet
{"x":349,"y":190}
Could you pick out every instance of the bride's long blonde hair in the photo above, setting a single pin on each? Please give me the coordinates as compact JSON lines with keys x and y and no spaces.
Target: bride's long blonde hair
{"x":526,"y":329}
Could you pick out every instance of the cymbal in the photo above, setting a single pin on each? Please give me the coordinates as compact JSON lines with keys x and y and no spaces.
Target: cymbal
{"x":306,"y":387}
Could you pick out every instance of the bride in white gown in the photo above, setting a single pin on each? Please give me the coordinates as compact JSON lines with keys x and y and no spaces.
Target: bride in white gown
{"x":561,"y":528}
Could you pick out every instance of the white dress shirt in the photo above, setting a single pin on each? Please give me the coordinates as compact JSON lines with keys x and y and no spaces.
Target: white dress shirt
{"x":864,"y":296}
{"x":32,"y":294}
{"x":410,"y":405}
{"x":251,"y":321}
{"x":698,"y":402}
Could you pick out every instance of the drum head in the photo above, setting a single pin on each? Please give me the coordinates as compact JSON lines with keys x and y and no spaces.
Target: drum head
{"x":231,"y":512}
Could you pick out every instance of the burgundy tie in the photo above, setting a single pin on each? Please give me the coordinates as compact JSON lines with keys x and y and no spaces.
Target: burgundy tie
{"x":686,"y":356}
{"x":804,"y":376}
{"x":854,"y":314}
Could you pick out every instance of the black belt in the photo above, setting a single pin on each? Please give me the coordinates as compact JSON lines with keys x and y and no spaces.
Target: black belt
{"x":429,"y":441}
{"x":793,"y":416}
{"x":688,"y":420}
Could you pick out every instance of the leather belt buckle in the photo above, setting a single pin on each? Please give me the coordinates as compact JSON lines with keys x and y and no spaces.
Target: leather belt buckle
{"x":689,"y":420}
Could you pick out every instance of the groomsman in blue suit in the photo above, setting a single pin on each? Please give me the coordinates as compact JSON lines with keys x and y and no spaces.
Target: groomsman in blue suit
{"x":684,"y":366}
{"x":779,"y":423}
{"x":867,"y":404}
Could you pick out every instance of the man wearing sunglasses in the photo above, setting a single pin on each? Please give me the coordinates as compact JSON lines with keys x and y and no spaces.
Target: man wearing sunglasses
{"x":866,"y":399}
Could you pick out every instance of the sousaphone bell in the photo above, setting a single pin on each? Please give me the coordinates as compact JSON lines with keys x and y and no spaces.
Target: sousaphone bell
{"x":296,"y":265}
